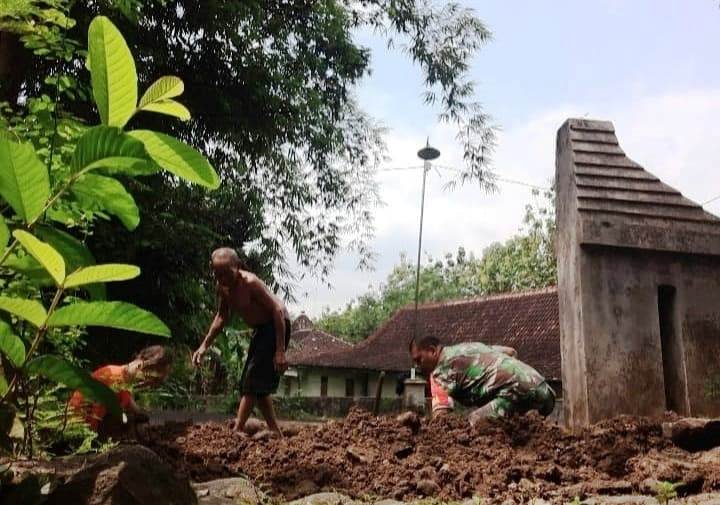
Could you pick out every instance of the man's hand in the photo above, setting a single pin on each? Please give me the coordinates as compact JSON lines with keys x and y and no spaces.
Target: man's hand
{"x":280,"y":362}
{"x":198,"y":355}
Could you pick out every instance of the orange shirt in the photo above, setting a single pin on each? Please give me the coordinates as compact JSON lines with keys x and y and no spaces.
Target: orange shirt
{"x":113,"y":376}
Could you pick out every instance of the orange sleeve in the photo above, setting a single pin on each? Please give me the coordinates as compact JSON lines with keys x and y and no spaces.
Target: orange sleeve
{"x":441,"y":400}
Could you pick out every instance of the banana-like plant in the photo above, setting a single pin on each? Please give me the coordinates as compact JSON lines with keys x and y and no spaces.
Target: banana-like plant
{"x":51,"y":257}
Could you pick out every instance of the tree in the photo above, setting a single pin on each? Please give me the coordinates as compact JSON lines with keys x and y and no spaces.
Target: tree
{"x":525,"y":261}
{"x":271,"y":85}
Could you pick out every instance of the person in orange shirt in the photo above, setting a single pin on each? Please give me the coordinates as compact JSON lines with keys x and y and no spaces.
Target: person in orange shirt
{"x":150,"y":368}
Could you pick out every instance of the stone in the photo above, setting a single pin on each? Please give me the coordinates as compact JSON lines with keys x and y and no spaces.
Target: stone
{"x":126,"y":475}
{"x":230,"y":491}
{"x":410,"y":420}
{"x":427,"y":487}
{"x":253,"y":426}
{"x":325,"y":499}
{"x":693,"y":434}
{"x":621,"y":500}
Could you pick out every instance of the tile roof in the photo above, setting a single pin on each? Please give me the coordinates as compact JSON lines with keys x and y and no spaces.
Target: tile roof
{"x":622,"y":204}
{"x":527,"y":321}
{"x":307,"y":343}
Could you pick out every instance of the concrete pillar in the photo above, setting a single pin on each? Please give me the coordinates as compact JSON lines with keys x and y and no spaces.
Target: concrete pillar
{"x":414,"y":396}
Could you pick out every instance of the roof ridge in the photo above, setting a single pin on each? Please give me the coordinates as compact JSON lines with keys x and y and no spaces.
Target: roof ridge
{"x":482,"y":298}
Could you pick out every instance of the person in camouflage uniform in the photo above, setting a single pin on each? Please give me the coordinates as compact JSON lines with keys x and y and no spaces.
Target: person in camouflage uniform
{"x":478,"y":375}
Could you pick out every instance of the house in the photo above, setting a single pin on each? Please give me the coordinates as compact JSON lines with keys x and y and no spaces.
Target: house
{"x":308,"y":376}
{"x":639,"y":284}
{"x":527,"y":321}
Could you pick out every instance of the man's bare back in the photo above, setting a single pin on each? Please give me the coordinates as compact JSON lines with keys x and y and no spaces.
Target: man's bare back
{"x":246,"y":298}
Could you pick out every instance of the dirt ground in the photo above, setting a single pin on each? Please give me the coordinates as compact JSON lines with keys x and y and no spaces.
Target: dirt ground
{"x":368,"y":457}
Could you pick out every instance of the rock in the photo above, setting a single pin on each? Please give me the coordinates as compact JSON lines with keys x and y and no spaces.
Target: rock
{"x":126,"y":475}
{"x":403,"y":451}
{"x":264,"y":435}
{"x":253,"y":426}
{"x":359,"y":455}
{"x":410,"y":420}
{"x":229,"y":491}
{"x":693,"y":434}
{"x":703,"y":499}
{"x":427,"y":487}
{"x":325,"y":499}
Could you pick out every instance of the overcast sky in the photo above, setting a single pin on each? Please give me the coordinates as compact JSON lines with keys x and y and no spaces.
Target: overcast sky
{"x":652,"y":67}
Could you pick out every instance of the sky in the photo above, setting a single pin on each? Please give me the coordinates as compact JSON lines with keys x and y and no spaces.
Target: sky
{"x":650,"y":67}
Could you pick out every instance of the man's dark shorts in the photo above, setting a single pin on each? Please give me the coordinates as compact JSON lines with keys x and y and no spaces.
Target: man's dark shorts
{"x":259,"y":377}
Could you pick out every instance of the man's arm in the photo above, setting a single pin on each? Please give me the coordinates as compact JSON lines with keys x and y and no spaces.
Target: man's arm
{"x":277,"y":310}
{"x":216,"y":327}
{"x":506,"y":350}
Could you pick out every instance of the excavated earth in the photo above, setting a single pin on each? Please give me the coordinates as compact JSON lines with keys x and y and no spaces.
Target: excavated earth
{"x":406,"y":458}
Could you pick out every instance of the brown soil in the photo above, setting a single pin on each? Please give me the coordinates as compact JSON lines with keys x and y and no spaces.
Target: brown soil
{"x":365,"y":456}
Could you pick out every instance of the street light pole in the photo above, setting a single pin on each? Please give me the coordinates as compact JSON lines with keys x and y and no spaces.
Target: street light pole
{"x":426,"y":154}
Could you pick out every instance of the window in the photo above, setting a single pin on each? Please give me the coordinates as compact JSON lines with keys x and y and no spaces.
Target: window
{"x":323,"y":386}
{"x":350,"y":388}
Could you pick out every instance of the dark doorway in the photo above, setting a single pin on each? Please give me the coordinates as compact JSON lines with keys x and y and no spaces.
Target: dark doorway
{"x":323,"y":386}
{"x":673,"y":366}
{"x":350,"y":388}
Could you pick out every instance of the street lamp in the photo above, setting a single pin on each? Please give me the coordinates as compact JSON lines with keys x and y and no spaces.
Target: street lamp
{"x":427,"y":154}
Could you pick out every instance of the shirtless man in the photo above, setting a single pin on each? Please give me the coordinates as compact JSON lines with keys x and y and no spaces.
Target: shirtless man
{"x":245,"y":294}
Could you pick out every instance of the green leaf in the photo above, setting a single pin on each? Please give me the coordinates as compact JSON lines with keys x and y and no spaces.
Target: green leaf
{"x":168,"y":86}
{"x":75,"y":253}
{"x":24,"y":182}
{"x":110,"y":195}
{"x":62,"y":372}
{"x":11,"y":345}
{"x":3,"y":385}
{"x":170,"y":108}
{"x":109,"y":272}
{"x":112,"y":69}
{"x":4,"y":233}
{"x":178,"y":158}
{"x":29,"y":310}
{"x":121,"y":315}
{"x":111,"y":148}
{"x":44,"y":253}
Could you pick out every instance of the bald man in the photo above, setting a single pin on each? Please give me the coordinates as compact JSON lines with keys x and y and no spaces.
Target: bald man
{"x":243,"y":293}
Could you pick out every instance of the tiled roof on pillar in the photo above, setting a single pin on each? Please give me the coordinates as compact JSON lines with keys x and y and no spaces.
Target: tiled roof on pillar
{"x":621,"y":204}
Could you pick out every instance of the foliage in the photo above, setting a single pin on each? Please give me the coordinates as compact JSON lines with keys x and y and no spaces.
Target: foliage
{"x":272,"y":87}
{"x":666,"y":491}
{"x":525,"y":261}
{"x":46,"y":271}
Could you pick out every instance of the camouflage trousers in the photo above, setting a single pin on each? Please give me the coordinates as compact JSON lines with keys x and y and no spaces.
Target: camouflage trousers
{"x":511,"y":401}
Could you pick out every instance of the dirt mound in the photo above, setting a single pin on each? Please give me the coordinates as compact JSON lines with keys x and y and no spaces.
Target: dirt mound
{"x":365,"y":456}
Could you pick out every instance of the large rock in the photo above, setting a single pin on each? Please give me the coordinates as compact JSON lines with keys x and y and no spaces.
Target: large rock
{"x":693,"y":434}
{"x":231,"y":491}
{"x":126,"y":475}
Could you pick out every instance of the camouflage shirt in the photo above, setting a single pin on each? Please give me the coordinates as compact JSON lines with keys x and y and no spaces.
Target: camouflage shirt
{"x":475,"y":373}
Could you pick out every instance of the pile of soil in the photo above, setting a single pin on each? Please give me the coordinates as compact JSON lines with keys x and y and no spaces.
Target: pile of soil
{"x":405,"y":458}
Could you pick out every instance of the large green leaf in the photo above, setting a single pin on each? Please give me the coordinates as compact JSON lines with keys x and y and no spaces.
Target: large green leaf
{"x":44,"y":253}
{"x":178,"y":158}
{"x":110,"y":272}
{"x":4,"y":233}
{"x":11,"y":345}
{"x":29,"y":310}
{"x":75,"y":253}
{"x":109,"y":195}
{"x":170,"y":108}
{"x":110,"y":148}
{"x":58,"y":370}
{"x":168,"y":86}
{"x":121,"y":315}
{"x":24,"y":182}
{"x":112,"y":69}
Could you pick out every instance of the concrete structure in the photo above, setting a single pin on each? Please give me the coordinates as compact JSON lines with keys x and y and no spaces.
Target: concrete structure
{"x":639,"y":284}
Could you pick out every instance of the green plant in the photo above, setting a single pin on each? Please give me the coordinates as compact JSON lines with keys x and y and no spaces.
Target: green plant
{"x":47,"y":272}
{"x":666,"y":491}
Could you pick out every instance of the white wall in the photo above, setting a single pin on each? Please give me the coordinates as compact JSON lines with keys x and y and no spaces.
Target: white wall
{"x":308,"y":382}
